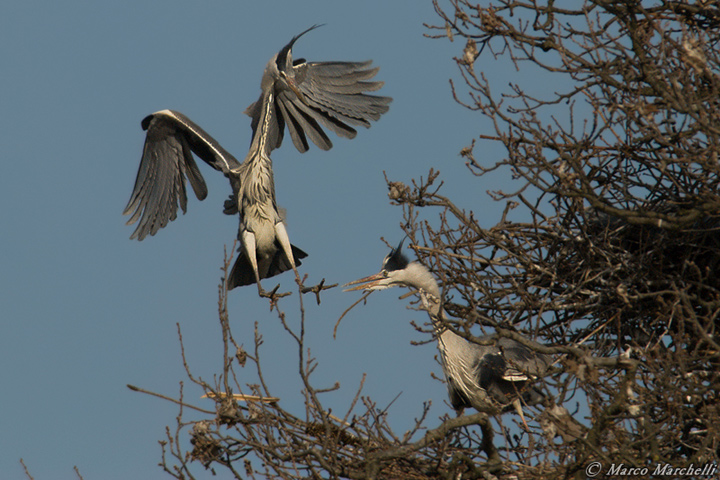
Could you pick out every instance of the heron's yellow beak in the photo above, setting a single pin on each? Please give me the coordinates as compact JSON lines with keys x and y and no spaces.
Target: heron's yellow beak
{"x":293,"y":87}
{"x":367,"y":283}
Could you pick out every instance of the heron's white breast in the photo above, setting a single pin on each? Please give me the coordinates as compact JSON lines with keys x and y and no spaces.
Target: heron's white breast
{"x":257,"y":206}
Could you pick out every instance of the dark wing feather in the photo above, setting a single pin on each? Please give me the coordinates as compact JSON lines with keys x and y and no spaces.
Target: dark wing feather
{"x":335,"y":124}
{"x":303,"y":120}
{"x":294,"y":127}
{"x":167,"y":160}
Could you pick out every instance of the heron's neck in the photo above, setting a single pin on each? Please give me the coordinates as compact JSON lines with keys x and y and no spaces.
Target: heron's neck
{"x":418,"y":276}
{"x":449,"y":343}
{"x":429,"y":290}
{"x":264,"y":130}
{"x":257,"y":183}
{"x":432,"y":303}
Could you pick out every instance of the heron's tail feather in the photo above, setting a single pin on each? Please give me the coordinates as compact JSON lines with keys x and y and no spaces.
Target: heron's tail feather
{"x":281,"y":264}
{"x":242,"y":272}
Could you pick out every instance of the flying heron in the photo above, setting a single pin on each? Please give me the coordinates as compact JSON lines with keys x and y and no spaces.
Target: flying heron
{"x":298,"y":94}
{"x":493,"y":371}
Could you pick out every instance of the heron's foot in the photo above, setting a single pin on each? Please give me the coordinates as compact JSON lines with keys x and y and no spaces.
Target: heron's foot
{"x":316,"y":289}
{"x":273,"y":294}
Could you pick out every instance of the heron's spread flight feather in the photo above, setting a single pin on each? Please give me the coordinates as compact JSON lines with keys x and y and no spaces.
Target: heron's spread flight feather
{"x":167,"y":160}
{"x":312,"y":95}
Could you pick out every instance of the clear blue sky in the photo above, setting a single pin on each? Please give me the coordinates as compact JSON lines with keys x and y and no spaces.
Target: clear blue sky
{"x":86,"y":311}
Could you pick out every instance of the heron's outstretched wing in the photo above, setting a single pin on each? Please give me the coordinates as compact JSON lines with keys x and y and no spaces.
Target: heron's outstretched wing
{"x":166,"y":161}
{"x":331,"y":95}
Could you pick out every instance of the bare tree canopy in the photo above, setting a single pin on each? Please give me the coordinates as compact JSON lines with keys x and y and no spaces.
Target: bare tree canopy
{"x":607,"y":254}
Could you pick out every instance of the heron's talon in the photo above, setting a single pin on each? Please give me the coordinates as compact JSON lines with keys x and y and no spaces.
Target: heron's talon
{"x":273,"y":294}
{"x":316,"y":289}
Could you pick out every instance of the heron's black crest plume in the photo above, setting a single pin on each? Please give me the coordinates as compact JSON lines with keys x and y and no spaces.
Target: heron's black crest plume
{"x":396,"y":260}
{"x":145,"y":124}
{"x":282,"y":55}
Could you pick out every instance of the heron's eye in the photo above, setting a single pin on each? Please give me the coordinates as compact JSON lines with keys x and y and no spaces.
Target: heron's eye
{"x":385,"y":273}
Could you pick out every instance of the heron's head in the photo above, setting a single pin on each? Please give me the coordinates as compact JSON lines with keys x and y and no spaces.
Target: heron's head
{"x":282,"y":68}
{"x":395,"y":272}
{"x":283,"y":60}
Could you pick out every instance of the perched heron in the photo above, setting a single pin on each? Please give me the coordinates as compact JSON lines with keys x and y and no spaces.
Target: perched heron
{"x":499,"y":370}
{"x":298,"y":94}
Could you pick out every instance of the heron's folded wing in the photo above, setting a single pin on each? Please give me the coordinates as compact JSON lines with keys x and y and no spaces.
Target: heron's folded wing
{"x":167,"y":160}
{"x":522,"y":363}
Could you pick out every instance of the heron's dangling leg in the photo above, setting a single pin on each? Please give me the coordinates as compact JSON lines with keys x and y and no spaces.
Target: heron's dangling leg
{"x":282,"y":236}
{"x":248,"y":240}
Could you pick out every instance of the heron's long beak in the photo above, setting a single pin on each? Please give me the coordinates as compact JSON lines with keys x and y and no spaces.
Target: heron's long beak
{"x":366,"y":283}
{"x":294,"y":88}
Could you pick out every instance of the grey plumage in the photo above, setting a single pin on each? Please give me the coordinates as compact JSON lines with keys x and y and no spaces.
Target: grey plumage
{"x":167,"y":161}
{"x":308,"y":96}
{"x":305,"y":97}
{"x":493,"y":371}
